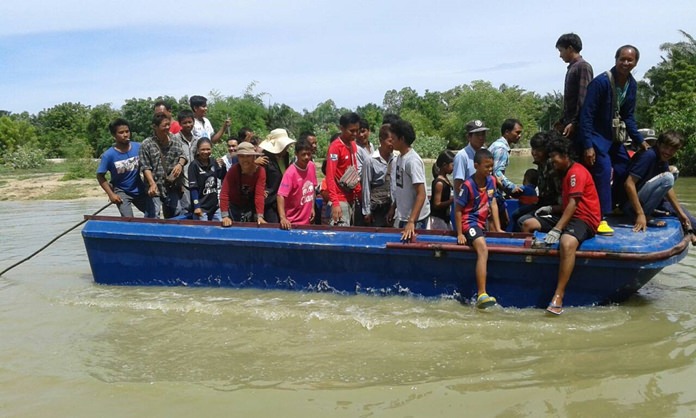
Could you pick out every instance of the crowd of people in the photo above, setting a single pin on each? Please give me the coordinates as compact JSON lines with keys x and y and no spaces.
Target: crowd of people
{"x":584,"y":173}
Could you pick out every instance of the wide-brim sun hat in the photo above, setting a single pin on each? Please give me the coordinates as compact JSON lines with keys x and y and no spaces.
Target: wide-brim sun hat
{"x":276,"y":141}
{"x":247,"y":148}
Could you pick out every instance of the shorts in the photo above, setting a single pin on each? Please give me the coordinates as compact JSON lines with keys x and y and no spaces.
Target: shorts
{"x":579,"y":229}
{"x":547,"y":222}
{"x":472,"y":234}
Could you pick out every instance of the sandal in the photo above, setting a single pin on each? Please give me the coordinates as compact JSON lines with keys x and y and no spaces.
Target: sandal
{"x":554,"y":309}
{"x":656,"y":223}
{"x":484,"y":301}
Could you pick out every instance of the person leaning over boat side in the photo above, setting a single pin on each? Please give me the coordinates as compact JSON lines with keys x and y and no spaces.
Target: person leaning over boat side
{"x":375,"y":181}
{"x":341,"y":156}
{"x":242,"y":194}
{"x":409,"y":208}
{"x":580,"y":216}
{"x":473,"y":205}
{"x":204,"y":175}
{"x":549,"y":182}
{"x":579,"y":74}
{"x":650,"y":182}
{"x":296,"y":192}
{"x":275,"y":149}
{"x":121,"y":161}
{"x":604,"y":155}
{"x":162,"y":162}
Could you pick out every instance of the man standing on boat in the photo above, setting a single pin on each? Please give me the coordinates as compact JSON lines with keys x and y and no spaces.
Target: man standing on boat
{"x":162,"y":161}
{"x":126,"y":188}
{"x":511,"y":132}
{"x":464,"y":160}
{"x":606,"y":117}
{"x":342,"y":174}
{"x":578,"y":77}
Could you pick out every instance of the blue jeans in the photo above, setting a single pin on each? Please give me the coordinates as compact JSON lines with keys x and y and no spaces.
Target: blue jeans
{"x":209,"y":216}
{"x":652,"y":194}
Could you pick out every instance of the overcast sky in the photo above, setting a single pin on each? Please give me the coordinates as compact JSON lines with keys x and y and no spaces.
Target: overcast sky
{"x":302,"y":52}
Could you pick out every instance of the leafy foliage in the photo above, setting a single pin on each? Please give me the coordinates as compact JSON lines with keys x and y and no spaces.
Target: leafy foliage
{"x":25,"y":157}
{"x":672,"y":96}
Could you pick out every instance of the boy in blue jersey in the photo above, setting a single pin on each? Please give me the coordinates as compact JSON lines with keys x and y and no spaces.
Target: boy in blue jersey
{"x":121,"y":161}
{"x":475,"y":201}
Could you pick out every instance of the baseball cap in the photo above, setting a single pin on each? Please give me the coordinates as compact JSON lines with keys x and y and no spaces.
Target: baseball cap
{"x":475,"y":126}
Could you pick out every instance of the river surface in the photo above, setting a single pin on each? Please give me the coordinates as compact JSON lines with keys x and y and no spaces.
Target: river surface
{"x":71,"y":348}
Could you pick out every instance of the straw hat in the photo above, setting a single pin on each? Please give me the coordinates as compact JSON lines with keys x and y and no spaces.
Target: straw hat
{"x":247,"y":148}
{"x":276,"y":141}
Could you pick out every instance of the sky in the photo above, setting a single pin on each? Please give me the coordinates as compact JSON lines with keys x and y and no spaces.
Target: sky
{"x":303,"y":52}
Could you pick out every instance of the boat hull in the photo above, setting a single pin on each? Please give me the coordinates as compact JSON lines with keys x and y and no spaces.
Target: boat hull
{"x":373,"y":261}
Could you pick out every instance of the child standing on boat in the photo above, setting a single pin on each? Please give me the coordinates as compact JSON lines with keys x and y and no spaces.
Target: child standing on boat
{"x":242,"y":194}
{"x":475,"y":202}
{"x":410,"y":208}
{"x":441,"y":192}
{"x":296,"y":191}
{"x":204,"y":173}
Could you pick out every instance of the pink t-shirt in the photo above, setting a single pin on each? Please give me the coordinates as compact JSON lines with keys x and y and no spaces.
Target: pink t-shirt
{"x":297,"y":187}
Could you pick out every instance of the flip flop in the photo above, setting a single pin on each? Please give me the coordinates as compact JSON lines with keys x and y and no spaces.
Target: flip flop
{"x":552,"y":306}
{"x":484,"y":301}
{"x":656,"y":223}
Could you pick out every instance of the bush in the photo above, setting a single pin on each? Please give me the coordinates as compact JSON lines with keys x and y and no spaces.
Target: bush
{"x":80,"y":163}
{"x":429,"y":146}
{"x":24,"y":157}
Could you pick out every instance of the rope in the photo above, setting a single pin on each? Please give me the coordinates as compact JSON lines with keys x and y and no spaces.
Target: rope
{"x":52,"y":241}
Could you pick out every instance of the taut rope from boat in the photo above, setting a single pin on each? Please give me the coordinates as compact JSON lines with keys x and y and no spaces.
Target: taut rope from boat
{"x":52,"y":241}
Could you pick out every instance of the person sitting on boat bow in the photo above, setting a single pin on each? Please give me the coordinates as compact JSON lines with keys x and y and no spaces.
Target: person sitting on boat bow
{"x":473,"y":205}
{"x":580,"y":216}
{"x":650,"y":182}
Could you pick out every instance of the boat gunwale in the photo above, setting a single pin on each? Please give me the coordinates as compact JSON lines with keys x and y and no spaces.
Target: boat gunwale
{"x":523,"y":250}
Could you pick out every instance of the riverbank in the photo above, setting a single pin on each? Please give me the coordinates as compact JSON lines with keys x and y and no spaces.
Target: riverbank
{"x":47,"y":186}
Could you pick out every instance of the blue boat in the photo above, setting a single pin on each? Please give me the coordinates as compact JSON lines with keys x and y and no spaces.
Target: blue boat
{"x":521,"y":273}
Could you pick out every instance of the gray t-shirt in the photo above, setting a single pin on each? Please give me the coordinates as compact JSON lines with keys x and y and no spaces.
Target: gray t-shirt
{"x":410,"y":171}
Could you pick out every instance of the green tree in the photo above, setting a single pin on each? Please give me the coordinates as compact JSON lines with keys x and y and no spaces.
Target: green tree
{"x":673,"y":89}
{"x":138,"y":112}
{"x":61,"y":126}
{"x":15,"y":132}
{"x":98,"y":136}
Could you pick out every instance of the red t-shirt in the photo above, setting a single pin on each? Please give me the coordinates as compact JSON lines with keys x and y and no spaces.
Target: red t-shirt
{"x":242,"y":190}
{"x":578,"y":184}
{"x":174,"y":127}
{"x":338,"y":159}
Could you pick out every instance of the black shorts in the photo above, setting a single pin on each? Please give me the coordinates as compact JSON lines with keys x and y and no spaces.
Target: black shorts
{"x":579,"y":229}
{"x":472,"y":234}
{"x":547,"y":222}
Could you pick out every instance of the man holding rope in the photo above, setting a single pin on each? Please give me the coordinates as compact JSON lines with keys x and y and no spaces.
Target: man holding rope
{"x":121,"y":161}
